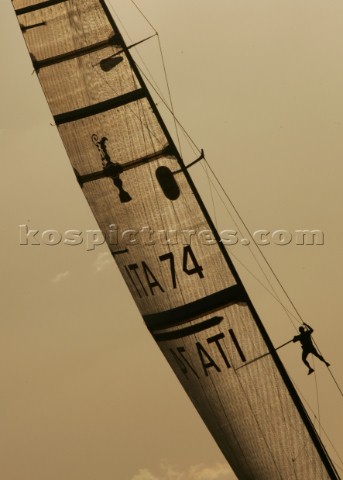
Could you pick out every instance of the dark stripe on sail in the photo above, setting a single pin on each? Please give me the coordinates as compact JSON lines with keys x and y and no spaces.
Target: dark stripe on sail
{"x":119,"y":252}
{"x":38,"y":6}
{"x":184,"y":313}
{"x":185,"y":332}
{"x":75,"y":53}
{"x":99,"y":107}
{"x":29,"y":27}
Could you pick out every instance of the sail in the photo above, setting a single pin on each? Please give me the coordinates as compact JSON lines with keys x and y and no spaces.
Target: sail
{"x":164,"y":242}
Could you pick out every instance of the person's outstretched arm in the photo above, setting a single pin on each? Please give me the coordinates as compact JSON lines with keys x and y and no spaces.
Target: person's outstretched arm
{"x":308,"y":326}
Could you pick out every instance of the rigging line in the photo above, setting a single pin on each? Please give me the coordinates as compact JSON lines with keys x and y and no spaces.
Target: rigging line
{"x":169,"y":94}
{"x":275,"y":296}
{"x":265,"y":370}
{"x":128,"y":47}
{"x":264,"y":355}
{"x":128,"y":106}
{"x":258,"y":263}
{"x":285,"y":413}
{"x":147,"y":20}
{"x":247,"y":397}
{"x":226,"y":416}
{"x":337,"y":385}
{"x":121,"y":23}
{"x":194,"y":144}
{"x":131,"y":109}
{"x":323,"y":430}
{"x":126,"y":31}
{"x":165,"y":72}
{"x":332,"y":375}
{"x":191,"y":141}
{"x":252,"y":238}
{"x":159,"y":94}
{"x":263,"y":285}
{"x":107,"y":82}
{"x":212,"y":198}
{"x":151,"y":80}
{"x":219,"y":183}
{"x":299,"y":319}
{"x":337,"y":466}
{"x":156,"y":90}
{"x":317,"y":395}
{"x":317,"y":435}
{"x":163,"y":100}
{"x":305,"y":442}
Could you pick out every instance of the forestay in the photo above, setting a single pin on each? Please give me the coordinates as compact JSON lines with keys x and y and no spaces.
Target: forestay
{"x":164,"y":244}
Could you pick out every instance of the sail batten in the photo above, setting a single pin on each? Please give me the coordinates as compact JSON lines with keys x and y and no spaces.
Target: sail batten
{"x":210,"y":303}
{"x":38,"y":6}
{"x":99,"y":107}
{"x":74,"y":53}
{"x":165,"y":244}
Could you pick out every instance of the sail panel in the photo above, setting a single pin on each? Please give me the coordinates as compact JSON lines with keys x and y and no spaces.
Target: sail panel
{"x":132,"y":132}
{"x":80,"y":81}
{"x":162,"y":266}
{"x":19,"y":5}
{"x":64,"y":27}
{"x":246,"y":407}
{"x":160,"y":236}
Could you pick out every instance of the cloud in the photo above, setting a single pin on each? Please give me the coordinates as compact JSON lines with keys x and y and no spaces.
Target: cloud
{"x":144,"y":474}
{"x":219,"y":471}
{"x":216,"y":472}
{"x":60,"y":277}
{"x":103,"y":259}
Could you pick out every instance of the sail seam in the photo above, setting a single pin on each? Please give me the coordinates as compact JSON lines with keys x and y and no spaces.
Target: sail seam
{"x":38,"y":64}
{"x":189,"y":311}
{"x":99,"y":107}
{"x":38,"y":6}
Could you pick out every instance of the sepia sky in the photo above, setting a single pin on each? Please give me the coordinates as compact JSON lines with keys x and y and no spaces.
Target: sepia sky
{"x":84,"y":391}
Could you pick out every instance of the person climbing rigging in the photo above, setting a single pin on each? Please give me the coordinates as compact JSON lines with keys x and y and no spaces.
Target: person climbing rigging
{"x":307,"y":345}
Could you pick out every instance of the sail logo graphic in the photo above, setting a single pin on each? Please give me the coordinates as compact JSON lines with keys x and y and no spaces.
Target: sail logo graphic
{"x":110,"y":169}
{"x":144,"y":280}
{"x":209,"y":354}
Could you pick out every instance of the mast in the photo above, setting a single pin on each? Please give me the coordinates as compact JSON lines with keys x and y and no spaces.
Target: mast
{"x":190,"y":295}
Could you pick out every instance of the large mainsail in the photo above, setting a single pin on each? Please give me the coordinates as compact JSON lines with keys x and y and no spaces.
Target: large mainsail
{"x":164,"y":242}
